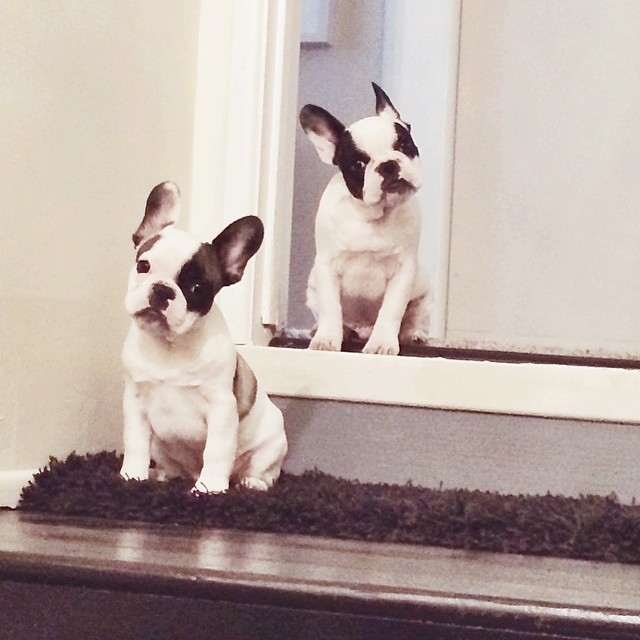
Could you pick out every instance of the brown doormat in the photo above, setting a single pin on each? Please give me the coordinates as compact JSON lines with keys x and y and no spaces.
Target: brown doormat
{"x":314,"y":503}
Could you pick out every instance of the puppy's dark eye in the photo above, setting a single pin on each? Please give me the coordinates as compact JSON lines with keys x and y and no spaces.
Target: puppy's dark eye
{"x":143,"y":266}
{"x":359,"y":164}
{"x":195,"y":288}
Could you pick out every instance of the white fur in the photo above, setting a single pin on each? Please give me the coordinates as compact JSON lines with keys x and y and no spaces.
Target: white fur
{"x":179,"y":405}
{"x":365,"y":275}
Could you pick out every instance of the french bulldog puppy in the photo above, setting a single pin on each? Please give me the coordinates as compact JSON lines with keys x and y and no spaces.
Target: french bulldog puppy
{"x":365,"y":278}
{"x":191,"y":403}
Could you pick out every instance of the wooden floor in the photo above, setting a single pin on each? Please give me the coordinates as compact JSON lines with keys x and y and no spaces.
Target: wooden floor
{"x":514,"y":594}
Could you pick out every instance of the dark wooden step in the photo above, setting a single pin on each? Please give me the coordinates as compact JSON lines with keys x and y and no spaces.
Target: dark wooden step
{"x":65,"y":579}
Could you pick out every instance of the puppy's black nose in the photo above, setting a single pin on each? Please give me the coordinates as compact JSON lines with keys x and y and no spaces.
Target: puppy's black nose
{"x":160,"y":296}
{"x":388,"y":169}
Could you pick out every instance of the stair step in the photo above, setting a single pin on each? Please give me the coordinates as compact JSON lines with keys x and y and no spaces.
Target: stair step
{"x":65,"y":578}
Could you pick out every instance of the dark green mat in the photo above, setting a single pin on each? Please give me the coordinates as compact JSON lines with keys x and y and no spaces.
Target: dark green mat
{"x":315,"y":503}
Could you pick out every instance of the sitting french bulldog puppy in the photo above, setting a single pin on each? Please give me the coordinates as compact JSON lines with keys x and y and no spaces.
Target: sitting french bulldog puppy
{"x":365,"y":277}
{"x":191,"y":403}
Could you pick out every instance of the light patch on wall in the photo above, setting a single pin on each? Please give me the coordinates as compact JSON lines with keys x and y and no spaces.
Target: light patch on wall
{"x":316,"y":22}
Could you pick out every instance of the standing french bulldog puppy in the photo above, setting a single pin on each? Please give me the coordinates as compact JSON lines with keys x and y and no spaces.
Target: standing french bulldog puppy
{"x":191,"y":403}
{"x":365,"y":276}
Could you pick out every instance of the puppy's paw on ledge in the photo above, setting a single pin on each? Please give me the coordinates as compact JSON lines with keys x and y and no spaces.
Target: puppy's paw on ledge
{"x":387,"y":346}
{"x":325,"y":343}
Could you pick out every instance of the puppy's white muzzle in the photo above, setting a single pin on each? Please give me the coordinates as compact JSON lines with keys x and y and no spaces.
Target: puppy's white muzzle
{"x":391,"y":180}
{"x":158,"y":307}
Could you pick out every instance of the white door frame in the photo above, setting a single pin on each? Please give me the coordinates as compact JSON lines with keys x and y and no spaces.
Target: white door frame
{"x":257,"y":40}
{"x":244,"y":138}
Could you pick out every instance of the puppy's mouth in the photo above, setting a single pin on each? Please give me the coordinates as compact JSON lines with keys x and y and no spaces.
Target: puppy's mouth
{"x":153,"y":318}
{"x":398,"y":186}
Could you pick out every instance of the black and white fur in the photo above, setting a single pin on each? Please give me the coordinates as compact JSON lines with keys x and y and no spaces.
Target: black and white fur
{"x":191,"y":403}
{"x":365,"y":277}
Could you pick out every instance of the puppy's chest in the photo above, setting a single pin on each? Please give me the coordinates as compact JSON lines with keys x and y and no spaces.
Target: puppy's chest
{"x":360,"y":263}
{"x":367,"y":256}
{"x":366,"y":245}
{"x":174,"y":411}
{"x":175,"y":387}
{"x":378,"y":241}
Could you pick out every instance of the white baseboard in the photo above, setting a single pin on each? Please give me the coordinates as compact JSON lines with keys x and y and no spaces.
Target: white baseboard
{"x":11,"y":485}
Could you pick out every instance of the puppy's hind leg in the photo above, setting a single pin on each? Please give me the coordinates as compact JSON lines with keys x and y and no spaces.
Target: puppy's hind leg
{"x":262,"y":465}
{"x":415,"y":322}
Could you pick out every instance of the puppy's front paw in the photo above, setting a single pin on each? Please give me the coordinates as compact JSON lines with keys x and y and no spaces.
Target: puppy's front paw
{"x":386,"y":346}
{"x":134,"y":471}
{"x":211,"y":485}
{"x":326,"y":342}
{"x":255,"y":484}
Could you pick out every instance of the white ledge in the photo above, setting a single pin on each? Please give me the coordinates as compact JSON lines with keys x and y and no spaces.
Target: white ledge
{"x":549,"y":390}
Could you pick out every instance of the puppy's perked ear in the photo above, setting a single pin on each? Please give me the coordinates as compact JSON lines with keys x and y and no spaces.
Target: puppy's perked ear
{"x":162,"y":209}
{"x":323,"y":130}
{"x":384,"y":106}
{"x":236,"y":244}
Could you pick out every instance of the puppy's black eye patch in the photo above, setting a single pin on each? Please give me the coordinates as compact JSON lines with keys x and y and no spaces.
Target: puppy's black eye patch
{"x":352,"y":162}
{"x":200,"y":279}
{"x":143,"y":266}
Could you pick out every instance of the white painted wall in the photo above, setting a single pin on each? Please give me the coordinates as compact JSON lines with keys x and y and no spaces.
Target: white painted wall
{"x":98,"y":104}
{"x":431,"y":448}
{"x":545,"y":230}
{"x":97,"y":107}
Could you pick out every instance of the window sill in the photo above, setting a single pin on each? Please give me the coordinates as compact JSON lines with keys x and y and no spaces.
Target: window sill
{"x":580,"y":392}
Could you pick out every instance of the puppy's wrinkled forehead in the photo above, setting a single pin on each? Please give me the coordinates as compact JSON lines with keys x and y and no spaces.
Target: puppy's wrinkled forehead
{"x":377,"y":135}
{"x":374,"y":135}
{"x":168,"y":250}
